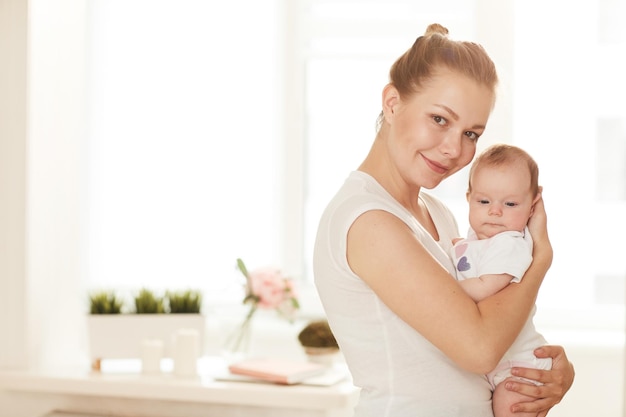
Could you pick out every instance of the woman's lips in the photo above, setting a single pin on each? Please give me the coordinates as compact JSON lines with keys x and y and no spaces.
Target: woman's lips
{"x":438,"y":168}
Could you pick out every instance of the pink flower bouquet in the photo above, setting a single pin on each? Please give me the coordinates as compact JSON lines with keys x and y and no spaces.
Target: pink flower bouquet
{"x":267,"y":289}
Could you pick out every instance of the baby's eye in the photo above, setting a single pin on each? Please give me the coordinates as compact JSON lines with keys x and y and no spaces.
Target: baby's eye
{"x":440,"y":120}
{"x":510,"y":204}
{"x":483,"y":201}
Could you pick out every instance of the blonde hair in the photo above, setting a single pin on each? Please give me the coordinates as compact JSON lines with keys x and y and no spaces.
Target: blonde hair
{"x":501,"y":154}
{"x":435,"y":50}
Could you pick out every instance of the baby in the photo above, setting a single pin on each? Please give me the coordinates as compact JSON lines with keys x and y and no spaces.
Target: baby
{"x":503,"y":188}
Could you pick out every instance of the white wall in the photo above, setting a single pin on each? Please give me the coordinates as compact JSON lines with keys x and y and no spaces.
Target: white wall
{"x":43,"y":68}
{"x":56,"y":154}
{"x":13,"y":164}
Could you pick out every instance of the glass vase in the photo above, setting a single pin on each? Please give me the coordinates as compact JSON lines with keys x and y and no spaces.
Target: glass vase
{"x":237,"y":344}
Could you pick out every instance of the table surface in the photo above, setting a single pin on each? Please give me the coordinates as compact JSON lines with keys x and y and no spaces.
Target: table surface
{"x":124,"y":379}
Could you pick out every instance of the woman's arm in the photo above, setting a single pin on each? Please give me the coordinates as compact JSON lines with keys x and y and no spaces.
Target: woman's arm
{"x":556,"y":382}
{"x":387,"y":255}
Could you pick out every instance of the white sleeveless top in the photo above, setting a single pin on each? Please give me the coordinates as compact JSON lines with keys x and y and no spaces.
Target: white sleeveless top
{"x":400,"y":373}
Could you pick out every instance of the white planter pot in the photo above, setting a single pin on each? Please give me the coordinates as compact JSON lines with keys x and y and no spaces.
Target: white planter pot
{"x":120,"y":336}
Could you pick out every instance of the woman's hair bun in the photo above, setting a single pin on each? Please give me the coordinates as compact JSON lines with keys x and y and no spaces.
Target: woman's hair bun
{"x":436,"y":28}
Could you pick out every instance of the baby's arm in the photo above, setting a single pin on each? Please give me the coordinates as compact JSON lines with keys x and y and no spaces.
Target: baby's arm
{"x":482,"y":287}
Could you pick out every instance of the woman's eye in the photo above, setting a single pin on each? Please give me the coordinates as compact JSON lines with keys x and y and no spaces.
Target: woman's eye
{"x":440,"y":120}
{"x":472,"y":135}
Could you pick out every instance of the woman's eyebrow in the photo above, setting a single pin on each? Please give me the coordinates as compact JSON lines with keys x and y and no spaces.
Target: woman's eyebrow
{"x":456,"y":116}
{"x":448,"y":110}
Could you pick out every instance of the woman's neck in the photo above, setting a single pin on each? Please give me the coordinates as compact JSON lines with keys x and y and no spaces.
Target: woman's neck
{"x":379,"y":165}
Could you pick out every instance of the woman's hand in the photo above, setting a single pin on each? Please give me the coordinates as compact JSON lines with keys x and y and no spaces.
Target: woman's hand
{"x":556,"y":382}
{"x":538,"y":222}
{"x":538,"y":227}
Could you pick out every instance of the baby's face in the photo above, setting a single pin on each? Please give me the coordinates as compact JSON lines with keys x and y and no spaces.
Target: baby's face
{"x":501,"y":199}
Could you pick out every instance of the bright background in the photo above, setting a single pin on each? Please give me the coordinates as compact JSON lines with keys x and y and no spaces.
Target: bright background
{"x":167,"y":138}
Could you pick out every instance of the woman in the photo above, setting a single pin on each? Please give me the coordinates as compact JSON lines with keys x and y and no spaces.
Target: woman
{"x":415,"y":343}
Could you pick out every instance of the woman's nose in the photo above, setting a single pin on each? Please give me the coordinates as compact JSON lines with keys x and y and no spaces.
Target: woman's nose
{"x":451,"y":144}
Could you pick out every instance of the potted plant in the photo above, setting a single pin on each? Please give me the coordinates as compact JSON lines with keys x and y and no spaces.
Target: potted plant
{"x":147,"y":302}
{"x":185,"y":302}
{"x":118,"y":329}
{"x":105,"y":302}
{"x":318,"y":341}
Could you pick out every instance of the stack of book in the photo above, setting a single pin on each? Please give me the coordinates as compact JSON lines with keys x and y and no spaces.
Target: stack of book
{"x":284,"y":371}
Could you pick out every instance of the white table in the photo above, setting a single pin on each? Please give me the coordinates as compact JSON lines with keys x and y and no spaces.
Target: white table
{"x":128,"y":392}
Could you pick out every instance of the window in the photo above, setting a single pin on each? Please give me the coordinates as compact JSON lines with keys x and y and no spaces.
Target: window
{"x":183,"y":168}
{"x":225,"y":136}
{"x":569,"y":114}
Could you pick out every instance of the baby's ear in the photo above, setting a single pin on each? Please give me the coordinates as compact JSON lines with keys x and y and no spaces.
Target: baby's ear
{"x":537,"y":198}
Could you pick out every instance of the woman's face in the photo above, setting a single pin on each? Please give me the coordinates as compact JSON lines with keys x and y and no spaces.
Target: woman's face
{"x":433,"y":133}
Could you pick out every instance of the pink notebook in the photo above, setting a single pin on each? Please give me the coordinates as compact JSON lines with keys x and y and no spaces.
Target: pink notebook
{"x":280,"y":371}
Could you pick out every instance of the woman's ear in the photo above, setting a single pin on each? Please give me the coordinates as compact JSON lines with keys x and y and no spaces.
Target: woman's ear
{"x":391,"y":98}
